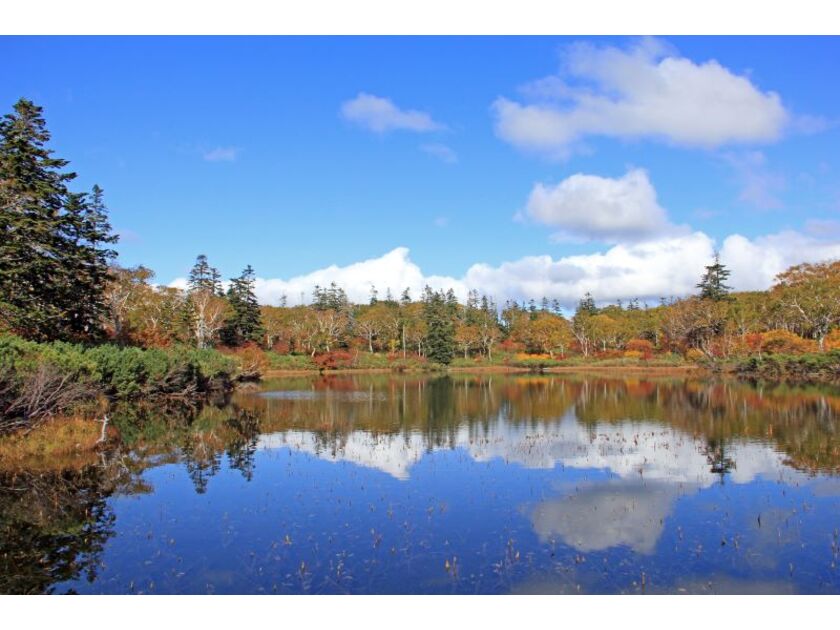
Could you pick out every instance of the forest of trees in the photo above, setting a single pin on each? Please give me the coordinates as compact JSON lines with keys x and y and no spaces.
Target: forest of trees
{"x":800,"y":313}
{"x":59,"y":281}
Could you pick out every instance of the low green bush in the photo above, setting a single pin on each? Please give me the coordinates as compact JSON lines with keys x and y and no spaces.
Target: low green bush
{"x":277,"y":361}
{"x":811,"y":366}
{"x":121,"y":372}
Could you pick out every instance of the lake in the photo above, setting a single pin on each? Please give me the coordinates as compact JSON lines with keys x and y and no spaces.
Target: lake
{"x":487,"y":483}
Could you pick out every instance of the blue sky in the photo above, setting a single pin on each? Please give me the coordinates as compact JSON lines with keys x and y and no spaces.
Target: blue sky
{"x":294,"y":154}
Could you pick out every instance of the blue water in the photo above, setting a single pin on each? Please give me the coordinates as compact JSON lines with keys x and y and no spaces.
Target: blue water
{"x":483,"y":504}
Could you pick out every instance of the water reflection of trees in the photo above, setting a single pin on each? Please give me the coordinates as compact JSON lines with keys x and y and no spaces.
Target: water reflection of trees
{"x":55,"y":522}
{"x":802,"y":422}
{"x":720,"y":462}
{"x":54,"y":525}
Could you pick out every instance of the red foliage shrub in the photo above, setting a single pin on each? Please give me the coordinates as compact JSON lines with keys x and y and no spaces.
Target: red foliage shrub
{"x":252,"y":360}
{"x":832,"y":340}
{"x":784,"y":342}
{"x":753,"y":341}
{"x":511,"y":346}
{"x":642,"y":346}
{"x":282,"y":347}
{"x":334,"y":360}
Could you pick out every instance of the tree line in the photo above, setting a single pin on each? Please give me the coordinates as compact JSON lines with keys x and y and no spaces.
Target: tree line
{"x":59,"y":281}
{"x":800,"y":313}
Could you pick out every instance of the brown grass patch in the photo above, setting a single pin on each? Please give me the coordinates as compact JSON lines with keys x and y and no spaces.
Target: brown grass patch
{"x":58,"y":444}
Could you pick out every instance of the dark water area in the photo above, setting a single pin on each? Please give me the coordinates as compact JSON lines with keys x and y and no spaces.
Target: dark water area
{"x":453,"y":484}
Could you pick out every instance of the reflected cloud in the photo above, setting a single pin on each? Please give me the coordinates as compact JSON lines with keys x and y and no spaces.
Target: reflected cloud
{"x":600,"y":516}
{"x":389,"y":454}
{"x":652,"y":466}
{"x":650,"y":443}
{"x":629,"y":450}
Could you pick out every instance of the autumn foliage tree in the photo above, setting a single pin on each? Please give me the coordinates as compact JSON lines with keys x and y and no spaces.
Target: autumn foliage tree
{"x":811,"y":294}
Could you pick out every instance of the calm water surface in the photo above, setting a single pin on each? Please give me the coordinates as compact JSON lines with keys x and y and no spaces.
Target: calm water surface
{"x":458,"y":484}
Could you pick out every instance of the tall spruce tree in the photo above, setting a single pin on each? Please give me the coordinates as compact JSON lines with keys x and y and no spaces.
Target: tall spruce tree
{"x":204,"y":277}
{"x":245,"y":323}
{"x":712,"y":286}
{"x":333,"y":298}
{"x":587,"y":305}
{"x":54,"y":254}
{"x":440,"y":329}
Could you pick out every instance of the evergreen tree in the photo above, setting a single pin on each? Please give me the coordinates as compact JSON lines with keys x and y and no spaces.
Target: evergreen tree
{"x":54,"y":257}
{"x":451,"y":302}
{"x":245,"y":323}
{"x":203,"y":277}
{"x":333,"y":298}
{"x":440,"y":330}
{"x":712,"y":286}
{"x":87,"y":262}
{"x":532,"y":309}
{"x":472,"y":300}
{"x":587,"y":305}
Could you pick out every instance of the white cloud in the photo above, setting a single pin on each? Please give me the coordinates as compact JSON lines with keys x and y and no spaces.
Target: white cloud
{"x":757,"y":262}
{"x":619,"y":512}
{"x":222,"y":154}
{"x":441,"y":151}
{"x":663,"y":267}
{"x":393,"y":271}
{"x":381,"y":115}
{"x":647,"y":91}
{"x":650,"y":257}
{"x":651,"y":269}
{"x":600,"y":208}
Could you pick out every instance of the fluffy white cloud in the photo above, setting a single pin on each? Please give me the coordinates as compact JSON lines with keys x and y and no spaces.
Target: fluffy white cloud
{"x":381,"y":115}
{"x":644,"y":92}
{"x":651,"y":269}
{"x":600,"y":516}
{"x":650,"y":259}
{"x":600,"y":208}
{"x":663,"y":267}
{"x":393,"y":271}
{"x":757,"y":262}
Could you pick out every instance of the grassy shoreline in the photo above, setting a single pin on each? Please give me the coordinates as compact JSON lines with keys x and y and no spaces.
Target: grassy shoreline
{"x":501,"y":369}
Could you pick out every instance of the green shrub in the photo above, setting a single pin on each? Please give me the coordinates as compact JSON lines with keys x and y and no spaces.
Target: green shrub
{"x":277,"y":361}
{"x":121,"y":372}
{"x":812,"y":366}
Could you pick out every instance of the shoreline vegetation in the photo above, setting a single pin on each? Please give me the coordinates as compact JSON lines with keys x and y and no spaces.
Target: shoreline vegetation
{"x":79,"y":333}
